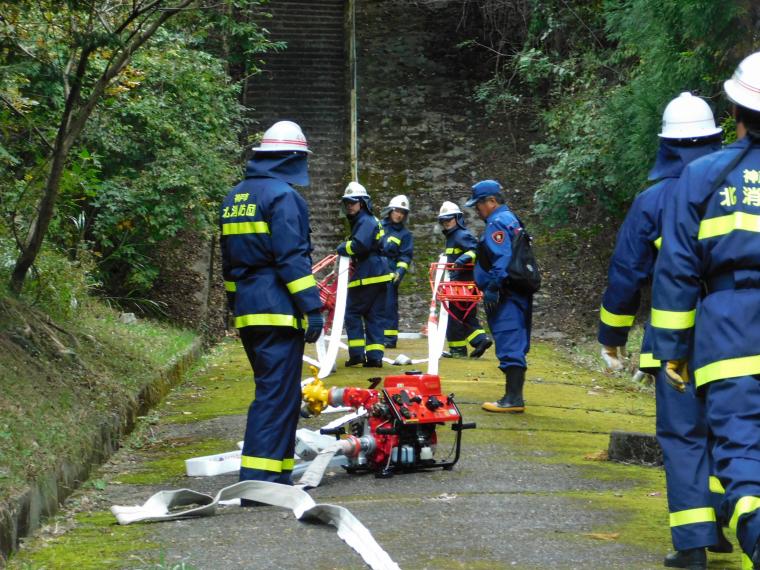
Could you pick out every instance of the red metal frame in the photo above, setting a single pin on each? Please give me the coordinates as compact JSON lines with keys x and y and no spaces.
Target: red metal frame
{"x":327,"y":285}
{"x":464,"y":295}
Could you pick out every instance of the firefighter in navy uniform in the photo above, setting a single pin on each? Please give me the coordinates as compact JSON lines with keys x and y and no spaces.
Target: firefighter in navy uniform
{"x":266,"y":262}
{"x":706,"y":294}
{"x":460,"y":250}
{"x":398,"y":248}
{"x":365,"y":306}
{"x":508,"y":312}
{"x":688,"y":133}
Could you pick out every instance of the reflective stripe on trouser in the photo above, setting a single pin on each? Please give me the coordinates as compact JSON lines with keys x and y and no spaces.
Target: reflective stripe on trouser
{"x":683,"y":436}
{"x":461,"y":329}
{"x":510,"y":329}
{"x":391,"y":312}
{"x":733,"y":415}
{"x":365,"y":319}
{"x":275,"y":356}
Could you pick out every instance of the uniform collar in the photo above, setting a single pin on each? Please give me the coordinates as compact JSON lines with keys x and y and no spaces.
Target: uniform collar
{"x":291,"y":167}
{"x":497,"y":211}
{"x":672,"y":159}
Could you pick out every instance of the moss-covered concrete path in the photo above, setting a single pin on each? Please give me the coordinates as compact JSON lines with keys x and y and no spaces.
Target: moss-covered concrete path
{"x":530,"y":491}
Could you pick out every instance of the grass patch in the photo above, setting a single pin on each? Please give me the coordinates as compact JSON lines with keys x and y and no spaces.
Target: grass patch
{"x":96,"y":541}
{"x":60,"y":380}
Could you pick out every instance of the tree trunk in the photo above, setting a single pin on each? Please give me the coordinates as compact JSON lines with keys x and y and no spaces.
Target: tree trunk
{"x":44,"y":214}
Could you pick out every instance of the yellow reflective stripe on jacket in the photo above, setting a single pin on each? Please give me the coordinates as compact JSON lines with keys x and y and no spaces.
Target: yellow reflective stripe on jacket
{"x":692,"y":516}
{"x":394,"y":239}
{"x":230,"y":286}
{"x":353,"y":343}
{"x":304,"y":282}
{"x":743,"y":506}
{"x":349,"y":249}
{"x":647,"y":360}
{"x":457,"y":343}
{"x":239,"y":228}
{"x":403,"y":264}
{"x":658,"y":242}
{"x":452,"y":250}
{"x":722,"y":225}
{"x":613,"y":320}
{"x":716,"y":486}
{"x":389,"y":332}
{"x":729,"y":368}
{"x":676,"y":320}
{"x":261,"y":463}
{"x":288,"y":464}
{"x":371,"y":280}
{"x":474,"y":334}
{"x":380,"y":234}
{"x":471,"y":253}
{"x":266,"y":320}
{"x":375,"y":347}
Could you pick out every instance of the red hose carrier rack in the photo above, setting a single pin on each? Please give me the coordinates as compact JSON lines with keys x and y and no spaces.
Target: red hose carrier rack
{"x":464,"y":295}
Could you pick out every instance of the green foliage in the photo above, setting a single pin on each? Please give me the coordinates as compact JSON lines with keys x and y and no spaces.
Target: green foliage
{"x":159,"y":149}
{"x":57,"y":285}
{"x":168,"y":149}
{"x":600,"y":74}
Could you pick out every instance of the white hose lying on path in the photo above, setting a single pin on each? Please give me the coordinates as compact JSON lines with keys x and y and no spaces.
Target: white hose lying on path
{"x":162,"y":505}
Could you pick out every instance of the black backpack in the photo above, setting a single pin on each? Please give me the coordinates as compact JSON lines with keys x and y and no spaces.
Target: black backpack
{"x":523,"y":274}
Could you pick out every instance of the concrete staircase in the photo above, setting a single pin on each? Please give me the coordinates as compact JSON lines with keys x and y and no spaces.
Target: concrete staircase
{"x":307,"y":83}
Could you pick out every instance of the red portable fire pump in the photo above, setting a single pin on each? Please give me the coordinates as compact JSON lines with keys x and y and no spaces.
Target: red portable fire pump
{"x":464,"y":295}
{"x":397,"y":433}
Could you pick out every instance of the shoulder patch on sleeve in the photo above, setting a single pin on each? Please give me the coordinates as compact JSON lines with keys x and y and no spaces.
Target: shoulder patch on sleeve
{"x":498,"y":237}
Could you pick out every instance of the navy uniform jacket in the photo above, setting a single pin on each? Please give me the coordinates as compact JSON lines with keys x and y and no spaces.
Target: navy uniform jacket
{"x":495,"y":249}
{"x":711,"y":237}
{"x":266,"y":250}
{"x":365,"y":249}
{"x":638,"y":240}
{"x":461,"y":247}
{"x":398,"y":246}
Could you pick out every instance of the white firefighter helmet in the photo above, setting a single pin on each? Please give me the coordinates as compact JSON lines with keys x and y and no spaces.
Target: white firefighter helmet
{"x":743,"y":88}
{"x":355,"y":191}
{"x":399,"y":202}
{"x":449,"y":210}
{"x":688,"y":117}
{"x":283,"y":136}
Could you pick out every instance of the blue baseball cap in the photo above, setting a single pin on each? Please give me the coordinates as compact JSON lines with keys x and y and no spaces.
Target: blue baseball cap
{"x":483,"y":189}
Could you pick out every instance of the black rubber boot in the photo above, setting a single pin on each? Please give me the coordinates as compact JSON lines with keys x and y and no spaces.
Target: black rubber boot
{"x":355,"y":361}
{"x":512,"y":402}
{"x":458,"y":352}
{"x":481,"y":347}
{"x":692,"y":559}
{"x":373,"y":363}
{"x":723,"y":545}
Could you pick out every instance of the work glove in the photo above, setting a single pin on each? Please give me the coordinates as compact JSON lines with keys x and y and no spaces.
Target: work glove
{"x":613,"y":357}
{"x":316,"y":323}
{"x":491,"y":297}
{"x":462,"y":261}
{"x":677,"y":374}
{"x":396,"y":277}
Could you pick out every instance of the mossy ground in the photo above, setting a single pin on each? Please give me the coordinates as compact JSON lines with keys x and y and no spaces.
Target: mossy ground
{"x":570,"y":413}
